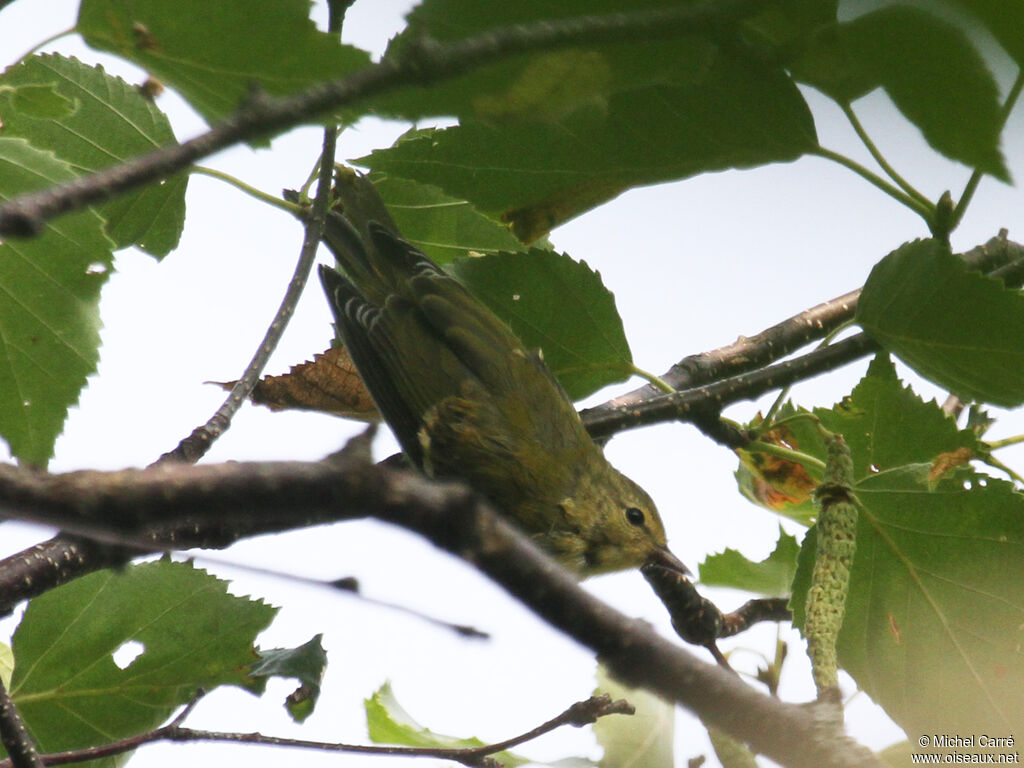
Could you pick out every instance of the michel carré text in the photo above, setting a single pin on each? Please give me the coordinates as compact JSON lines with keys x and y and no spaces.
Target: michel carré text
{"x":984,"y":740}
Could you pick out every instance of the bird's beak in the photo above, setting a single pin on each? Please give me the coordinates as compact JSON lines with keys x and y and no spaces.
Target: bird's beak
{"x":661,"y":556}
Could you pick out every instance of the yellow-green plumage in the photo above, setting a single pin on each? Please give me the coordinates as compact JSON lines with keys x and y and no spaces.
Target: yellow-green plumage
{"x":467,"y":401}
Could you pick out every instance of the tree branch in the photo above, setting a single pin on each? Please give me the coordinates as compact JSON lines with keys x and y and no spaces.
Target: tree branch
{"x":271,"y":496}
{"x":51,"y":563}
{"x":427,"y":62}
{"x":748,"y":353}
{"x":14,"y":735}
{"x":694,"y":404}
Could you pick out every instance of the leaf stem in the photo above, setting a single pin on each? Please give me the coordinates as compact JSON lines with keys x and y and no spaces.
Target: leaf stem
{"x":653,"y":378}
{"x":786,"y":453}
{"x":769,"y":419}
{"x":891,"y":172}
{"x":972,"y":183}
{"x":924,"y":211}
{"x":237,"y":183}
{"x":995,"y":463}
{"x":1006,"y":441}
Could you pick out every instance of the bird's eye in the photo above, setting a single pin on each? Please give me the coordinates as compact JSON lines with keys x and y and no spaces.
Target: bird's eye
{"x":635,"y":516}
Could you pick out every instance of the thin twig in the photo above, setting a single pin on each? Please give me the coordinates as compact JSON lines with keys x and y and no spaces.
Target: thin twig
{"x":348,"y":585}
{"x":699,"y":621}
{"x":42,"y":43}
{"x":580,"y":713}
{"x":193,"y":447}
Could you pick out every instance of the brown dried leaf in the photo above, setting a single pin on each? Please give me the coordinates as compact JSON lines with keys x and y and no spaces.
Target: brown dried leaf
{"x":329,"y":383}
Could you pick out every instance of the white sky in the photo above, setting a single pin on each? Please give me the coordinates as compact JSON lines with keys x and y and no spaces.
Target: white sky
{"x":692,"y":264}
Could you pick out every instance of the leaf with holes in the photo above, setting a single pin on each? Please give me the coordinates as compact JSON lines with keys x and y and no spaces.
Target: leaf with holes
{"x":935,"y":613}
{"x":306,"y":664}
{"x":936,"y":596}
{"x":887,"y":425}
{"x":107,"y":122}
{"x":193,"y":634}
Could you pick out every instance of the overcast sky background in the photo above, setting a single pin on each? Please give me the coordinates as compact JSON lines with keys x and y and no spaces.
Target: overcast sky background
{"x":692,"y":264}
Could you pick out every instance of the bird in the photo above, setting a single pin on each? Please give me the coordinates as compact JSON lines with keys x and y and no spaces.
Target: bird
{"x":467,"y":401}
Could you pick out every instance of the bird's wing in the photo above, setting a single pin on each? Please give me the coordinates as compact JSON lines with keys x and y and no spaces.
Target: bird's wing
{"x":420,"y":339}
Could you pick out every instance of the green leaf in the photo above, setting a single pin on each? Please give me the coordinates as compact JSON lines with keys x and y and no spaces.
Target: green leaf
{"x":559,"y":305}
{"x":643,"y":739}
{"x":388,"y":723}
{"x":305,"y":663}
{"x":49,"y":319}
{"x":110,"y":123}
{"x":772,"y":576}
{"x":194,"y":635}
{"x":932,"y":591}
{"x":541,"y":85}
{"x":443,"y":227}
{"x":1005,"y":20}
{"x":786,"y":28}
{"x":232,"y":46}
{"x":961,"y":329}
{"x":929,"y":68}
{"x":936,"y":603}
{"x":538,"y":174}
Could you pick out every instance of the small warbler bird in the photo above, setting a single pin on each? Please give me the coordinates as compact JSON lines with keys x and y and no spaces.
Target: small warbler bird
{"x":467,"y":401}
